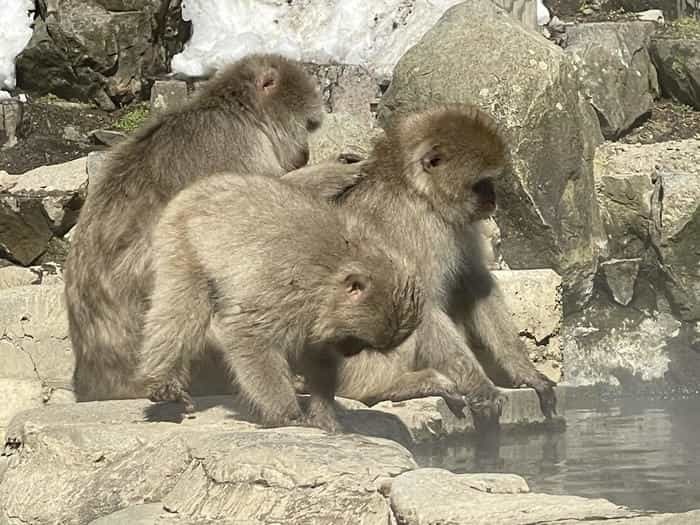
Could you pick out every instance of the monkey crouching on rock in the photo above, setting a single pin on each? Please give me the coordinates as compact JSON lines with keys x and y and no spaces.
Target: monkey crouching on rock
{"x":289,"y":282}
{"x":428,"y":182}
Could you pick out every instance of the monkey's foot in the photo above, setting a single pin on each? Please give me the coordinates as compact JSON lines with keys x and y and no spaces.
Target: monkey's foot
{"x":325,"y":422}
{"x":173,"y":391}
{"x":486,"y":406}
{"x":545,"y":391}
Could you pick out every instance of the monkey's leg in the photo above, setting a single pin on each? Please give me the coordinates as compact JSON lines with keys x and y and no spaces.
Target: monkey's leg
{"x":489,"y":331}
{"x":424,"y":383}
{"x":442,"y":347}
{"x":174,"y":333}
{"x":321,"y":373}
{"x":263,"y":375}
{"x":327,"y":179}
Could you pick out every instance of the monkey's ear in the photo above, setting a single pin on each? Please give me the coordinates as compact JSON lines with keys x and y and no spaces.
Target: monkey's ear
{"x":267,"y":81}
{"x":356,"y":285}
{"x":432,"y":159}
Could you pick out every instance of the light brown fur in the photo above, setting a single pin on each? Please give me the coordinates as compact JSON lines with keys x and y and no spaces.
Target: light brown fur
{"x":428,"y":182}
{"x":290,"y":283}
{"x":254,"y":117}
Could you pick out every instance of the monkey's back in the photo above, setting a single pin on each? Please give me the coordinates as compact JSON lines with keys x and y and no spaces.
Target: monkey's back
{"x":267,"y":240}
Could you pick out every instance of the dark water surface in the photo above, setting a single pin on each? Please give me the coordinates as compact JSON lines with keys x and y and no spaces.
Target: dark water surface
{"x":640,"y":453}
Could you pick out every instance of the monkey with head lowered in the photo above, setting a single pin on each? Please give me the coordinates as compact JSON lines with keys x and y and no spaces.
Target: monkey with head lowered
{"x":428,"y":182}
{"x":289,"y":281}
{"x":254,"y":117}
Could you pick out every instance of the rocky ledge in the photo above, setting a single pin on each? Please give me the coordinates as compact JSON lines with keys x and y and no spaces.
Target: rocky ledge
{"x":141,"y":463}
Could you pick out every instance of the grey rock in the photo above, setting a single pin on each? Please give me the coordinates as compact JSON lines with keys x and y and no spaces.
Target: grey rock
{"x":677,"y":232}
{"x":11,"y":276}
{"x":346,"y":88}
{"x":146,"y":514}
{"x":678,"y":61}
{"x":34,"y":346}
{"x":17,"y":394}
{"x":342,"y":133}
{"x":426,"y":496}
{"x":98,"y":51}
{"x":106,"y":137}
{"x":38,"y":205}
{"x":88,"y":460}
{"x":168,"y":95}
{"x":639,"y":324}
{"x":11,"y":114}
{"x":535,"y":97}
{"x":534,"y":300}
{"x":621,"y":276}
{"x":615,"y":70}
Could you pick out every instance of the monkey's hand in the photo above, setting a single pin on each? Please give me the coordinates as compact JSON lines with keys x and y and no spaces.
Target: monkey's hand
{"x":545,"y":391}
{"x":486,"y":405}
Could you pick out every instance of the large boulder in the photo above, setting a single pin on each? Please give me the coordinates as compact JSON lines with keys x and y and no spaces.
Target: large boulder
{"x":676,"y":54}
{"x":101,"y":51}
{"x":616,"y":72}
{"x":431,"y":495}
{"x":75,"y":463}
{"x":476,"y":54}
{"x":644,"y":317}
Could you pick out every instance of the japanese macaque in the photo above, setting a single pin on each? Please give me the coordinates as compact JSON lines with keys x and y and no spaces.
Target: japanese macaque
{"x":253,"y":117}
{"x":428,"y":183}
{"x":289,"y":283}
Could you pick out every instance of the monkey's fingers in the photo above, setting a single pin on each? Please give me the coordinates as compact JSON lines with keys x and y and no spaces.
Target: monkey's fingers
{"x":456,"y":404}
{"x":187,"y":400}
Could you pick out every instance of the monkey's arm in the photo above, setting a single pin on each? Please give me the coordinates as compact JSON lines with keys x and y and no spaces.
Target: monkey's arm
{"x":327,"y":179}
{"x":488,"y":329}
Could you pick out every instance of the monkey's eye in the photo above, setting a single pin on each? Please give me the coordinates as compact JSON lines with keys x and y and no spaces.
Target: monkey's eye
{"x":312,"y":124}
{"x":432,"y":160}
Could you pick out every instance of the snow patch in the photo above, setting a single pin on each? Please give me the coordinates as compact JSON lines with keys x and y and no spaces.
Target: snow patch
{"x":374,"y":33}
{"x":15,"y":32}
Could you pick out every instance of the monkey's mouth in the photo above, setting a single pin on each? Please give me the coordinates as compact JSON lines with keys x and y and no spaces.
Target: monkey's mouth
{"x":486,"y":195}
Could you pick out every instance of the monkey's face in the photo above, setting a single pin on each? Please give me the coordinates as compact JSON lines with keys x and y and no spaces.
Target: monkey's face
{"x":291,"y":99}
{"x":453,"y":153}
{"x":377,"y":308}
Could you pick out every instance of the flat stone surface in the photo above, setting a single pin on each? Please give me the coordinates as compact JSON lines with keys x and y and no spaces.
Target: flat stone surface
{"x":76,"y":463}
{"x":17,"y":395}
{"x":342,"y":133}
{"x":431,"y":496}
{"x":534,"y":298}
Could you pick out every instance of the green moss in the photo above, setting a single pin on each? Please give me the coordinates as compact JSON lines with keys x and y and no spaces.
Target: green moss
{"x":686,"y":27}
{"x":133,"y":118}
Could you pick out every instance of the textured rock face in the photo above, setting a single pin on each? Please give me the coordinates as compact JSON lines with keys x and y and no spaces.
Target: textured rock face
{"x":80,"y":462}
{"x":39,"y":206}
{"x":531,"y":88}
{"x":678,"y":62}
{"x":437,"y":496}
{"x":645,"y":311}
{"x":615,"y":70}
{"x":100,"y":50}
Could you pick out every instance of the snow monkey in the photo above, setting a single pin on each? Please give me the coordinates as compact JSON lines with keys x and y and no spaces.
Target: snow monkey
{"x":428,"y":182}
{"x":254,"y":117}
{"x":290,"y":283}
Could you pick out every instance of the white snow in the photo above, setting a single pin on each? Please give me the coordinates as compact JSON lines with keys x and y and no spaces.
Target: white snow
{"x":373,"y":33}
{"x":15,"y":32}
{"x":542,"y":14}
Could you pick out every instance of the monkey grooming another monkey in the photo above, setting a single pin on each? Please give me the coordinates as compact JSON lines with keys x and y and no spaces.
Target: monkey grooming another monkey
{"x":428,"y":182}
{"x":289,"y":281}
{"x":254,"y":117}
